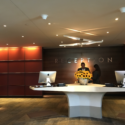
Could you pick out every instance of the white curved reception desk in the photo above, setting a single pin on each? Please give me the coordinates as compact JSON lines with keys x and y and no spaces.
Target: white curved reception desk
{"x":83,"y":100}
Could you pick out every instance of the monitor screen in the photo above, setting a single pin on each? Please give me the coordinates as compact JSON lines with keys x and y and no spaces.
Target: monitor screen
{"x":47,"y":76}
{"x":120,"y":75}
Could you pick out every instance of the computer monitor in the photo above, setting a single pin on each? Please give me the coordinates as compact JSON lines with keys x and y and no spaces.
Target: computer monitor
{"x":47,"y":77}
{"x":120,"y":77}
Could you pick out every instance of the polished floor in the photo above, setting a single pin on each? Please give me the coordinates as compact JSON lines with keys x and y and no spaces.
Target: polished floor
{"x":54,"y":111}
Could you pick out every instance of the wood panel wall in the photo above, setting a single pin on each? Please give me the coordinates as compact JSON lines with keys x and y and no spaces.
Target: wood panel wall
{"x":19,"y":69}
{"x":62,"y":60}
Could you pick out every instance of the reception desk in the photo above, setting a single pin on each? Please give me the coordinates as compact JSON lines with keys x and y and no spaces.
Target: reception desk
{"x":83,"y":100}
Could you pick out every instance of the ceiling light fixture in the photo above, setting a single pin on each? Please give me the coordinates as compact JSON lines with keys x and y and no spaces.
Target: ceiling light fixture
{"x":122,"y":9}
{"x":116,"y":18}
{"x":44,"y":16}
{"x":89,"y":33}
{"x":85,"y":41}
{"x":56,"y":34}
{"x":22,"y":36}
{"x":61,"y":41}
{"x":49,"y":23}
{"x":7,"y":44}
{"x":98,"y":44}
{"x":107,"y":32}
{"x":4,"y":25}
{"x":33,"y":43}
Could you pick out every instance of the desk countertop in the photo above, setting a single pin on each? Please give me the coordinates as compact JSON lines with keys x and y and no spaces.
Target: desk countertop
{"x":80,"y":88}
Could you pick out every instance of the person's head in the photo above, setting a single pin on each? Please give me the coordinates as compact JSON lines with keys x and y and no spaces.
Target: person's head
{"x":96,"y":66}
{"x":83,"y":65}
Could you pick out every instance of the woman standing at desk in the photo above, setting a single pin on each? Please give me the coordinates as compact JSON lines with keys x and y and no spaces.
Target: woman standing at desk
{"x":96,"y":74}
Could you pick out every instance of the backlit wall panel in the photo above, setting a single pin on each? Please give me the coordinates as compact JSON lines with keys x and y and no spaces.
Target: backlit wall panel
{"x":16,"y":53}
{"x":3,"y":53}
{"x":19,"y":68}
{"x":16,"y":79}
{"x":16,"y":66}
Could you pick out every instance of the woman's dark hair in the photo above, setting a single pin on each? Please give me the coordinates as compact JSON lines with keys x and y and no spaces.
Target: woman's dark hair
{"x":97,"y":68}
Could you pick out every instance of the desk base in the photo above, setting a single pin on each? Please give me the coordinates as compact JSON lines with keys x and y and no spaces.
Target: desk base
{"x":87,"y":104}
{"x":85,"y":111}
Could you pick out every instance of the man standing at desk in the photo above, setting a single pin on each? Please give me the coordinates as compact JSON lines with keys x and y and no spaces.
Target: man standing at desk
{"x":83,"y":68}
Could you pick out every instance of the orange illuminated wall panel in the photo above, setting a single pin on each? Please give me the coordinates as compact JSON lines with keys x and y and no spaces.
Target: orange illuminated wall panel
{"x":16,"y":79}
{"x":16,"y":53}
{"x":16,"y":66}
{"x":34,"y":66}
{"x":29,"y":92}
{"x":19,"y":68}
{"x":33,"y":53}
{"x":3,"y":79}
{"x":3,"y":67}
{"x":3,"y":53}
{"x":16,"y":91}
{"x":3,"y":91}
{"x":31,"y":79}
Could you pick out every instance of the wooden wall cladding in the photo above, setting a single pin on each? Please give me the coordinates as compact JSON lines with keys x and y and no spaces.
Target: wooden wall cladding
{"x":19,"y":68}
{"x":63,"y":61}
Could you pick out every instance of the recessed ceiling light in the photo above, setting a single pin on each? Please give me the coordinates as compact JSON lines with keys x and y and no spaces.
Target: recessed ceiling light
{"x":122,"y":9}
{"x":116,"y":18}
{"x":7,"y":44}
{"x":98,"y":44}
{"x":49,"y":23}
{"x":4,"y":25}
{"x":22,"y":36}
{"x":64,"y":46}
{"x":33,"y":43}
{"x":107,"y":32}
{"x":44,"y":16}
{"x":61,"y":41}
{"x":56,"y":34}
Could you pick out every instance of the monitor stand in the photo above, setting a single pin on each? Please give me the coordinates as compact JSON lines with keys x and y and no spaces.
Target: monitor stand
{"x":48,"y":83}
{"x":123,"y":82}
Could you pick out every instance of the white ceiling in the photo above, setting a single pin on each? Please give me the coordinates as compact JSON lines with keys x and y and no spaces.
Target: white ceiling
{"x":23,"y":17}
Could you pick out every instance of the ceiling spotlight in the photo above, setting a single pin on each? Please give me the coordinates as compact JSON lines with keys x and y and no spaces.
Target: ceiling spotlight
{"x":61,"y":41}
{"x":122,"y":9}
{"x":107,"y":32}
{"x":98,"y":44}
{"x":33,"y":43}
{"x":56,"y":34}
{"x":44,"y":16}
{"x":116,"y":18}
{"x":49,"y":23}
{"x":4,"y":25}
{"x":7,"y":44}
{"x":22,"y":36}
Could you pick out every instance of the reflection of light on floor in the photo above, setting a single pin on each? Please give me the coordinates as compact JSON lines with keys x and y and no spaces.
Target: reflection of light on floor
{"x":2,"y":108}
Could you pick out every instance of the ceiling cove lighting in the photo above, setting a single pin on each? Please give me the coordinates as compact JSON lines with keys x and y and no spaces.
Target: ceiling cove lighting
{"x":44,"y":16}
{"x":4,"y":25}
{"x":116,"y":19}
